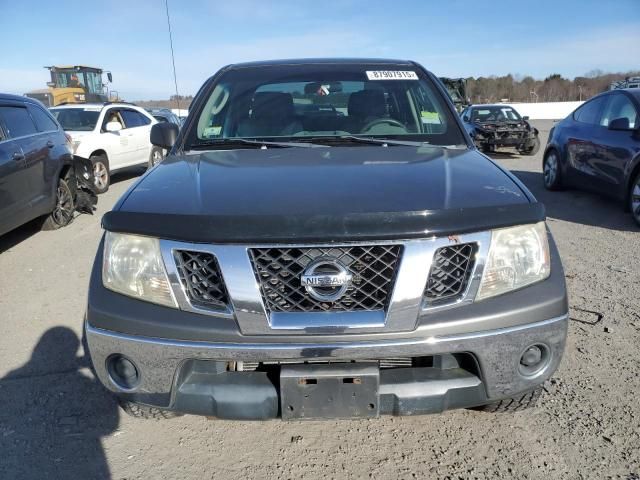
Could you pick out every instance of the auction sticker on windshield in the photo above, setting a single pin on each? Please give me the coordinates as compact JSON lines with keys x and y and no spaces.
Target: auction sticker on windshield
{"x":391,"y":75}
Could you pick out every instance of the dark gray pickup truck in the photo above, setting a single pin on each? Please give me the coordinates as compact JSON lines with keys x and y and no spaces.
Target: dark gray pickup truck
{"x":324,"y":241}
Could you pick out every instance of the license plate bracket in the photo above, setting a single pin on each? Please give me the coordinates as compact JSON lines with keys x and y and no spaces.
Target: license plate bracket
{"x":337,"y":390}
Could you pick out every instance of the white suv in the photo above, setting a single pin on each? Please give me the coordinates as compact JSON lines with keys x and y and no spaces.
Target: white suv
{"x":113,"y":135}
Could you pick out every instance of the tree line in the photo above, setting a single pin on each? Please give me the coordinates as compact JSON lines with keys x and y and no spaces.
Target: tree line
{"x":554,"y":88}
{"x":511,"y":88}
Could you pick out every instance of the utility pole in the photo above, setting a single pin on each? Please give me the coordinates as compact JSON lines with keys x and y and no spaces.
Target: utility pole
{"x":173,"y":61}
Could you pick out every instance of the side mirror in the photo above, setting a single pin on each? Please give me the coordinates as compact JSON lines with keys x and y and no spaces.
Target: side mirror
{"x":109,"y":77}
{"x":113,"y":127}
{"x":51,"y":84}
{"x":164,"y":135}
{"x":619,"y":124}
{"x":526,"y":117}
{"x":465,"y":118}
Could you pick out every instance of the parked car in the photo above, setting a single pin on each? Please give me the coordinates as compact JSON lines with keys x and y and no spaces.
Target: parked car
{"x":164,"y":115}
{"x":38,"y":174}
{"x":597,"y":148}
{"x":113,"y":136}
{"x":498,"y":126}
{"x":324,"y":240}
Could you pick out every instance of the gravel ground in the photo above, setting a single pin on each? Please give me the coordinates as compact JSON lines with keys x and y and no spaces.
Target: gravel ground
{"x":56,"y":422}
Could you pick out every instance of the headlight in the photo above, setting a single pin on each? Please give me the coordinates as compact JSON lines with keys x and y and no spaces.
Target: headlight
{"x":518,"y":256}
{"x":74,"y":145}
{"x":132,"y":265}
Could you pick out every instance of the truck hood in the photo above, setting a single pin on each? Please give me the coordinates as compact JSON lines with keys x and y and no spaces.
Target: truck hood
{"x":332,"y":193}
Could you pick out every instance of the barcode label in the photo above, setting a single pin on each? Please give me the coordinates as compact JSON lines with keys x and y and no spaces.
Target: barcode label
{"x":391,"y":75}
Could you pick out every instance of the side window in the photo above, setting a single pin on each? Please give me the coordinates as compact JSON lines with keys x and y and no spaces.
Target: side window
{"x":619,"y":106}
{"x":43,"y":120}
{"x":134,"y":119}
{"x":112,"y":115}
{"x":590,"y":111}
{"x":17,"y":121}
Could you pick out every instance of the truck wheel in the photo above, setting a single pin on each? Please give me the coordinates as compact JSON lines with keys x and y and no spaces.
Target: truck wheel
{"x":514,"y":404}
{"x":62,"y":214}
{"x":138,"y":410}
{"x":533,"y":149}
{"x":156,"y":157}
{"x":102,"y":177}
{"x":634,"y":199}
{"x":551,"y":172}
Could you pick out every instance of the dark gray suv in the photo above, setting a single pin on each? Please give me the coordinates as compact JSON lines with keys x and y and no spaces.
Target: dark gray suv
{"x":38,"y":174}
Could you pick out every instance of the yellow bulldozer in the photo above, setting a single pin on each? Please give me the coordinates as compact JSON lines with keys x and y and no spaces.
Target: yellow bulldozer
{"x":74,"y":84}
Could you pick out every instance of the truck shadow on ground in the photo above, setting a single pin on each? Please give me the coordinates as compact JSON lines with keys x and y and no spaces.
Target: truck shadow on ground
{"x":54,"y":415}
{"x":578,"y":206}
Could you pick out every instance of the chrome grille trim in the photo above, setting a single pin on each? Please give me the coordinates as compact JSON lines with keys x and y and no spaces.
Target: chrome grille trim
{"x":406,"y":304}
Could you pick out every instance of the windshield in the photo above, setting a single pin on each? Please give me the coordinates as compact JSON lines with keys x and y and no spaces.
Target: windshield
{"x":494,"y":114}
{"x":330,"y":100}
{"x":91,"y":82}
{"x":76,"y":119}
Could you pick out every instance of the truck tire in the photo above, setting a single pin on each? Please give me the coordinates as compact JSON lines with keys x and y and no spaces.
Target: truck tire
{"x":102,"y":176}
{"x":138,"y":410}
{"x":533,"y":149}
{"x":519,"y":402}
{"x":62,"y":214}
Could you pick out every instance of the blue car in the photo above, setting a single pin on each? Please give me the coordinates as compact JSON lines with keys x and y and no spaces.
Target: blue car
{"x":597,"y":148}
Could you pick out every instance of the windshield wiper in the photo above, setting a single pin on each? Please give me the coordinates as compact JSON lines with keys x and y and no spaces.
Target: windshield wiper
{"x":385,"y":142}
{"x":223,"y":142}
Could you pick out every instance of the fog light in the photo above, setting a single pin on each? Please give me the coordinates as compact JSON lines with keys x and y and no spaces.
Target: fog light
{"x":534,"y":360}
{"x":531,"y":356}
{"x":122,"y":371}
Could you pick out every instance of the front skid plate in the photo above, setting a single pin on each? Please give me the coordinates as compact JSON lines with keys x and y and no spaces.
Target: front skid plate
{"x":341,"y":390}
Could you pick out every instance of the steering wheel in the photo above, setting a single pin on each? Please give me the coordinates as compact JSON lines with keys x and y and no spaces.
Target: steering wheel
{"x":382,"y":121}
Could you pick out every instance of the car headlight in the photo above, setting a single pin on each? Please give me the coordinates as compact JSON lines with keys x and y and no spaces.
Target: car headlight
{"x":132,"y":265}
{"x":518,"y":256}
{"x":74,"y":145}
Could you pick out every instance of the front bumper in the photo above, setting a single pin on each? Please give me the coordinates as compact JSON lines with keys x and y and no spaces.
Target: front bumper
{"x":192,"y":377}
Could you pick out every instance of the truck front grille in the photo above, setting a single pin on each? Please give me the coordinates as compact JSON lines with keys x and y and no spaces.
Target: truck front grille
{"x":385,"y":363}
{"x":450,"y":273}
{"x":373,"y":268}
{"x":201,"y":278}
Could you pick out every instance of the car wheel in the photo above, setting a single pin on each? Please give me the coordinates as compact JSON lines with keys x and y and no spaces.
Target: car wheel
{"x":62,"y":214}
{"x":551,"y":171}
{"x":101,"y":175}
{"x":533,"y":149}
{"x":634,"y":199}
{"x":156,"y":157}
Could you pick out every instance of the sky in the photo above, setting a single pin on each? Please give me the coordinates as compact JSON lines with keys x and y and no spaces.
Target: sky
{"x":451,"y":38}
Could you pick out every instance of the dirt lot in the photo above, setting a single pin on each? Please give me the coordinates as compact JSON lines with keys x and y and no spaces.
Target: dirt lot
{"x":56,"y":422}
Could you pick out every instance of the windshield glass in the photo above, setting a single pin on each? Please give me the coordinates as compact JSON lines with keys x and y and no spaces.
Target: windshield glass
{"x":91,"y":82}
{"x":494,"y":114}
{"x":76,"y":119}
{"x":332,"y":100}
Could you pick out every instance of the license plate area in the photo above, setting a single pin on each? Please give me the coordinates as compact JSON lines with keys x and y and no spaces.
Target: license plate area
{"x":339,"y":390}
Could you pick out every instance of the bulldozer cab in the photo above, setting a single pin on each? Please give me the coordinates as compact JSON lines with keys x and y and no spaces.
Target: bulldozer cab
{"x":73,"y":84}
